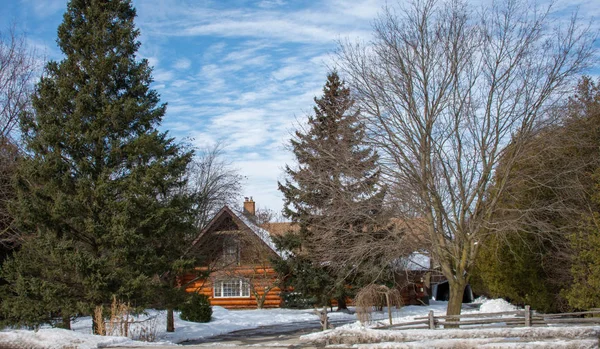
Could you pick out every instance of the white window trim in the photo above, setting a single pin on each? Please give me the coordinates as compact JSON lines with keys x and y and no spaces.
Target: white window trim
{"x":219,"y":285}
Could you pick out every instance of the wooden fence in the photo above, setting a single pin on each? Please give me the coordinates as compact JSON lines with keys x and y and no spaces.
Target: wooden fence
{"x":525,"y":317}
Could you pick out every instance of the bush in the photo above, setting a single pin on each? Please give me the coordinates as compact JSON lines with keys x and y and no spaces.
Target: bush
{"x":196,"y":308}
{"x":296,"y":300}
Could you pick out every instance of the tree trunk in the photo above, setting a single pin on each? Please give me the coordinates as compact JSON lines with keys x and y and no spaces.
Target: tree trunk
{"x":342,"y":304}
{"x":170,"y":320}
{"x":457,"y":289}
{"x":98,"y":321}
{"x":389,"y":306}
{"x":260,"y":302}
{"x":66,"y":322}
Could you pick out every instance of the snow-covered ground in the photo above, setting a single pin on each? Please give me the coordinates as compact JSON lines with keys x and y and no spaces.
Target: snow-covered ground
{"x":364,"y":336}
{"x":226,"y":321}
{"x":223,"y":321}
{"x":580,"y":337}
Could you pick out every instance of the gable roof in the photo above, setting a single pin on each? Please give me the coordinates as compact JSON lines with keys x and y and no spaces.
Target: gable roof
{"x":242,"y":221}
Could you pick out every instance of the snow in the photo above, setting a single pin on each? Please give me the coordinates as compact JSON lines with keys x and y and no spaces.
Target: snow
{"x":226,"y":321}
{"x":417,"y":262}
{"x":495,"y":305}
{"x":523,"y":337}
{"x":58,"y":338}
{"x":357,"y":334}
{"x":223,"y":321}
{"x":261,"y":233}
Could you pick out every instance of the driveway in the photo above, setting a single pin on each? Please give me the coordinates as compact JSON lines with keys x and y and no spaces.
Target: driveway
{"x":276,"y":336}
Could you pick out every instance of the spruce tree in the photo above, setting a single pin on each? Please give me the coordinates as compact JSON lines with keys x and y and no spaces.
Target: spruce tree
{"x":333,"y":194}
{"x":100,"y":189}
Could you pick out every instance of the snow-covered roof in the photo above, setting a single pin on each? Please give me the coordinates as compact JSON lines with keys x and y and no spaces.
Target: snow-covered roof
{"x":416,"y":261}
{"x":260,"y":232}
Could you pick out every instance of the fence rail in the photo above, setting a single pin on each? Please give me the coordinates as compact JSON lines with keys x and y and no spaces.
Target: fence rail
{"x":525,"y":317}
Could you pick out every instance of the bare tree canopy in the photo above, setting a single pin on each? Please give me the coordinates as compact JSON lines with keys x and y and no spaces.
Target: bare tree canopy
{"x":17,"y":67}
{"x":445,"y":89}
{"x":213,"y":181}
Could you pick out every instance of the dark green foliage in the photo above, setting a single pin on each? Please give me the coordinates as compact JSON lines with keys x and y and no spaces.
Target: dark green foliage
{"x":297,"y":300}
{"x":43,"y":283}
{"x":542,"y":250}
{"x":331,"y":194}
{"x":513,"y":268}
{"x":311,"y":283}
{"x":585,"y":268}
{"x":9,"y":236}
{"x":196,"y":308}
{"x":100,"y":189}
{"x":583,"y":293}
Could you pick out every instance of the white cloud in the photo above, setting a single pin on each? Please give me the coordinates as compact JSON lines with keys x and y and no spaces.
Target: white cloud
{"x":44,"y":8}
{"x":162,"y":76}
{"x":182,"y":64}
{"x":289,"y":71}
{"x":270,"y":3}
{"x":152,"y":61}
{"x":264,"y":28}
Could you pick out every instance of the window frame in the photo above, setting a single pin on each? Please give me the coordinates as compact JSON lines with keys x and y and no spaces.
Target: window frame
{"x":231,"y":252}
{"x":220,"y":286}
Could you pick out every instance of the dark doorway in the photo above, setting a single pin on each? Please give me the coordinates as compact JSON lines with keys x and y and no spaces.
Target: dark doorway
{"x":441,"y":292}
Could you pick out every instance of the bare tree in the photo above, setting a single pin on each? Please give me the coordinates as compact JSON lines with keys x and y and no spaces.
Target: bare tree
{"x":214,"y":182}
{"x":239,"y":254}
{"x":255,"y":267}
{"x":17,"y":68}
{"x":445,"y":89}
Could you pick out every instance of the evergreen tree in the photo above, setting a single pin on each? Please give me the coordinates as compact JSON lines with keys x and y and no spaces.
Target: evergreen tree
{"x":101,"y":189}
{"x":333,"y":195}
{"x":540,"y":252}
{"x":582,"y":292}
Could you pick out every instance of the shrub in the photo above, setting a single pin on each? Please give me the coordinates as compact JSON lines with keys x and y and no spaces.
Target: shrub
{"x":296,"y":300}
{"x":196,"y":308}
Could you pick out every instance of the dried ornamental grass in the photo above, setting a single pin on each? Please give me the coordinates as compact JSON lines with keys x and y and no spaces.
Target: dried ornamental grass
{"x":376,"y":296}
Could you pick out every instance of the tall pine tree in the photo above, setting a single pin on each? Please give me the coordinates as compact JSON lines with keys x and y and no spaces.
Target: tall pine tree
{"x":100,"y":188}
{"x":333,"y":195}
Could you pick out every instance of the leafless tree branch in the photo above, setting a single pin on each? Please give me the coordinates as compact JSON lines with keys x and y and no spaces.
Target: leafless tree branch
{"x":445,"y":90}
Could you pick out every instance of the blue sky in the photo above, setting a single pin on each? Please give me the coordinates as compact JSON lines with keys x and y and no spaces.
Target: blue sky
{"x":236,"y":71}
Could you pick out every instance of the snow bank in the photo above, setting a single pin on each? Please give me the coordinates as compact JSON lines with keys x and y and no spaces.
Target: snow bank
{"x":494,"y":305}
{"x":484,"y":343}
{"x":59,"y":339}
{"x":492,"y":335}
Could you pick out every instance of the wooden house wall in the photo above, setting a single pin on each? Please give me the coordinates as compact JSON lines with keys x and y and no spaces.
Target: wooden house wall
{"x":412,"y":286}
{"x":267,"y":277}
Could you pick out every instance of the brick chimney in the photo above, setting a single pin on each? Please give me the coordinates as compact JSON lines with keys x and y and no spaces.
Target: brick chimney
{"x":249,"y":206}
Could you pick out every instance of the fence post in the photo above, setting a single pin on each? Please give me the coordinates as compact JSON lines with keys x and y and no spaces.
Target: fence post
{"x":431,"y":320}
{"x":527,"y":315}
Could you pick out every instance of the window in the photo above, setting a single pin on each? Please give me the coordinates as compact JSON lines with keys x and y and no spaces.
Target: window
{"x":231,"y":250}
{"x":231,"y":288}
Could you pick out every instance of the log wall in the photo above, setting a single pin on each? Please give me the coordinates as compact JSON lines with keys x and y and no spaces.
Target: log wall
{"x":257,"y":276}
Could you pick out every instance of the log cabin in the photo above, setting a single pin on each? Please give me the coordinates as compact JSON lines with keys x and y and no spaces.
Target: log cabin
{"x":235,"y":270}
